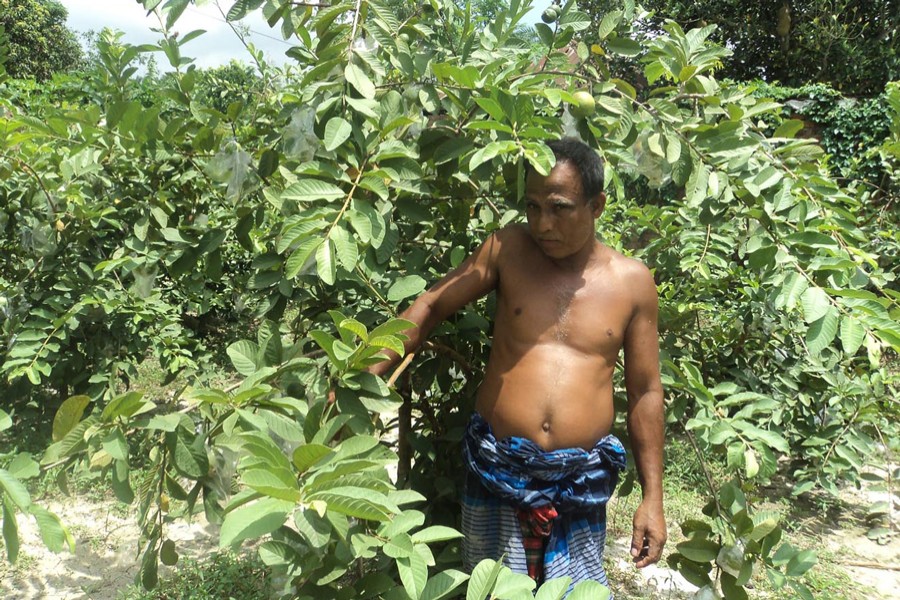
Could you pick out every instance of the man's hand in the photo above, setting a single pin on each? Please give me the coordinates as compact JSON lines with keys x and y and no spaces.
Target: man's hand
{"x":649,"y":535}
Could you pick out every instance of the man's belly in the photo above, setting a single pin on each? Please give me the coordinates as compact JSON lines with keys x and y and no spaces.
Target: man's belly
{"x":553,"y":395}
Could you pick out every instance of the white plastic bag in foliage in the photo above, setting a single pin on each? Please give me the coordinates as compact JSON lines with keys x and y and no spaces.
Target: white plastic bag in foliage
{"x":38,"y":238}
{"x":144,"y":280}
{"x":224,"y":469}
{"x":651,"y":159}
{"x":230,"y":165}
{"x":363,"y":43}
{"x":570,"y":124}
{"x":300,"y":141}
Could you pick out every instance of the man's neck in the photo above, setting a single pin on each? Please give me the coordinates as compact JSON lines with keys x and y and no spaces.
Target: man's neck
{"x":582,"y":260}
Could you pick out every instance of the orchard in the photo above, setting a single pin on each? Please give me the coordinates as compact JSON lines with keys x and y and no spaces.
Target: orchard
{"x":301,"y":211}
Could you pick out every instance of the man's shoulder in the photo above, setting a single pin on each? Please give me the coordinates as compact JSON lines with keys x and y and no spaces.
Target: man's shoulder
{"x":624,"y":264}
{"x":632,"y":270}
{"x":627,"y":265}
{"x":494,"y":253}
{"x":511,"y":240}
{"x":514,"y":233}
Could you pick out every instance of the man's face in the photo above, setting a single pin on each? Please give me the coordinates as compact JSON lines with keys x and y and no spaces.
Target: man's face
{"x":560,"y":218}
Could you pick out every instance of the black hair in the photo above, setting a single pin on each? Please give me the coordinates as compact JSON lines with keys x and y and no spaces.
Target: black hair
{"x":585,"y":160}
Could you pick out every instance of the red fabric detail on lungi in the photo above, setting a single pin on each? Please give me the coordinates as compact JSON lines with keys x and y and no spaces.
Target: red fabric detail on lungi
{"x":536,"y":524}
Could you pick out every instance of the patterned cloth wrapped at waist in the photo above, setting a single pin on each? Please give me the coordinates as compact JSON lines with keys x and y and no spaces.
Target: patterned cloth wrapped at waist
{"x":544,"y":512}
{"x":517,"y":470}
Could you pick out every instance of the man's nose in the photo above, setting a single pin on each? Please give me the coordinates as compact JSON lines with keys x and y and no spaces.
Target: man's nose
{"x":545,"y":221}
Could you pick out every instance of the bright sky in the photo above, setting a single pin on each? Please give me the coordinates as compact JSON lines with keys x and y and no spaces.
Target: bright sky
{"x":216,"y":47}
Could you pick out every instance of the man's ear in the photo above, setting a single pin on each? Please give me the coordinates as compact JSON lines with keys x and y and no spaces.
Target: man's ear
{"x":598,"y":204}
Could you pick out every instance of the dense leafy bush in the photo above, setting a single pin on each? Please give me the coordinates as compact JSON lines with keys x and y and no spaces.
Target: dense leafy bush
{"x":38,"y":43}
{"x":851,"y":45}
{"x":850,"y":130}
{"x":320,"y":203}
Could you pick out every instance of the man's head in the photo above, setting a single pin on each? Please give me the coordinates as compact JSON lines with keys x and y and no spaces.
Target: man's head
{"x":585,"y":160}
{"x":562,"y":206}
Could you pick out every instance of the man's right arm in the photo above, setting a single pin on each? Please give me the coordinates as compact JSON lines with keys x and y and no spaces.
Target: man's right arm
{"x":472,"y":279}
{"x":646,"y":416}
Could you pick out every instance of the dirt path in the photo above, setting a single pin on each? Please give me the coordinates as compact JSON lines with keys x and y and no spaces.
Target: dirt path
{"x":105,"y":558}
{"x":869,"y":564}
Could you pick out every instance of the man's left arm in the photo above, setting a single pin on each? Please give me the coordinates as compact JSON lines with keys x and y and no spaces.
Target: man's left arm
{"x":646,"y":417}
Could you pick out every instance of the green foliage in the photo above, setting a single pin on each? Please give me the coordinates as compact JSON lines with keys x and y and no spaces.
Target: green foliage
{"x":222,"y":575}
{"x":735,"y":544}
{"x":37,"y":43}
{"x":72,"y":296}
{"x":219,"y":87}
{"x":326,"y":195}
{"x":851,"y":45}
{"x":889,"y":152}
{"x":14,"y":498}
{"x":850,"y":130}
{"x":294,"y":459}
{"x":4,"y":42}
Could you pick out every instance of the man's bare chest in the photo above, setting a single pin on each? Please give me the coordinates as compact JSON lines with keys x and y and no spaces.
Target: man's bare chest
{"x":585,"y":311}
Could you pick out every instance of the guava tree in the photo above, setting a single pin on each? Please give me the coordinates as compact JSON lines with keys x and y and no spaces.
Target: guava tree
{"x":392,"y":147}
{"x":38,"y":44}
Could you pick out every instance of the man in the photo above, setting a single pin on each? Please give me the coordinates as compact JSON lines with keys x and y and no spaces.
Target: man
{"x":541,"y":462}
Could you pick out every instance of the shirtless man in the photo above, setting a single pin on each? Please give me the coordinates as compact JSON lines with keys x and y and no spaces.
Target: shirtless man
{"x":566,"y":306}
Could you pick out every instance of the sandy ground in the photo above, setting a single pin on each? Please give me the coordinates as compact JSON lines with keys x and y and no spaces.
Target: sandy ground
{"x":106,"y":553}
{"x":839,"y":538}
{"x":106,"y":558}
{"x":870,"y":564}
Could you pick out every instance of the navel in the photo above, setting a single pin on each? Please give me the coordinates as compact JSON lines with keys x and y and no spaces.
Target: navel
{"x":609,"y":332}
{"x":518,"y":311}
{"x":546,"y":426}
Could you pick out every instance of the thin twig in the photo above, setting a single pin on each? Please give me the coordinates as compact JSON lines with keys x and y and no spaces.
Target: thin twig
{"x":355,"y":24}
{"x":399,"y":370}
{"x":372,"y":288}
{"x":709,"y":479}
{"x":26,"y":167}
{"x":494,"y":208}
{"x":240,"y":37}
{"x":349,"y":197}
{"x":706,"y":245}
{"x":869,"y":565}
{"x":838,"y":438}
